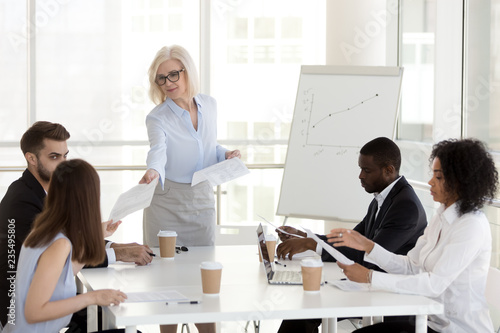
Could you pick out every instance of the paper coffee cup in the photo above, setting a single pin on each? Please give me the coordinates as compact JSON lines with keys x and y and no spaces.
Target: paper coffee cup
{"x":167,"y":243}
{"x":311,"y":274}
{"x":211,"y":273}
{"x":271,"y":246}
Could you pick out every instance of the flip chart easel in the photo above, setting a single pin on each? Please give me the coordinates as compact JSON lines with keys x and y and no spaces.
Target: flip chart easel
{"x":337,"y":110}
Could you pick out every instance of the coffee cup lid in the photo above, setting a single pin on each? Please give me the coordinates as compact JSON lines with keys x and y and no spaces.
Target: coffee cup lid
{"x":270,"y":237}
{"x":310,"y":262}
{"x":211,"y":265}
{"x":167,"y":233}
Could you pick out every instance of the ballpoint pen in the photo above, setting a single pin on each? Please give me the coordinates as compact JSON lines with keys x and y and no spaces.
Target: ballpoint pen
{"x":183,"y":302}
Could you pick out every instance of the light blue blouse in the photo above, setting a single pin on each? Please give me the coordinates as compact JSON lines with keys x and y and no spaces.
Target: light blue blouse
{"x":65,"y":288}
{"x":177,"y":150}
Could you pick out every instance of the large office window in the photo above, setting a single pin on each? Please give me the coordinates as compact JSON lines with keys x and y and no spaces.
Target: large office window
{"x":450,"y":85}
{"x":481,"y":111}
{"x":418,"y":23}
{"x":88,"y":71}
{"x":257,"y":49}
{"x":84,"y":63}
{"x":482,"y":82}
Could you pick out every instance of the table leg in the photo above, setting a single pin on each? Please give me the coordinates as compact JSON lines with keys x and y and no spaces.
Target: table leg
{"x":131,"y":329}
{"x":92,"y":318}
{"x":367,"y":321}
{"x":421,"y":324}
{"x":324,"y":325}
{"x":329,"y":325}
{"x":106,"y":322}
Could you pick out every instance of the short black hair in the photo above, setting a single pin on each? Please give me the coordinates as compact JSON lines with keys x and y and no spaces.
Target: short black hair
{"x":384,"y":151}
{"x":468,"y":170}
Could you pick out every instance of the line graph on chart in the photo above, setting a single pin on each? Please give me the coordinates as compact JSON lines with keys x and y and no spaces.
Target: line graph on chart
{"x":327,"y":122}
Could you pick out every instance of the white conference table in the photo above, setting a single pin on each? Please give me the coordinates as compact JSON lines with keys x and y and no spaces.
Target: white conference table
{"x":245,"y":294}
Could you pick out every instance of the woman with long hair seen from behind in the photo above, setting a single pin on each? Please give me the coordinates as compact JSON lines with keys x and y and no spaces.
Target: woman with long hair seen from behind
{"x":65,"y":236}
{"x":450,"y":261}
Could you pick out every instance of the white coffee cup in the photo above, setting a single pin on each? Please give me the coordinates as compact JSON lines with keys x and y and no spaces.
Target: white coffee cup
{"x":271,"y":246}
{"x":311,"y":274}
{"x":211,"y":273}
{"x":167,"y":241}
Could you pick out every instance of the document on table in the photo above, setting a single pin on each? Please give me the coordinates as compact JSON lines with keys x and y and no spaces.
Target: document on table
{"x":155,"y":296}
{"x":138,"y":197}
{"x":221,"y":172}
{"x":330,"y":249}
{"x":347,"y":285}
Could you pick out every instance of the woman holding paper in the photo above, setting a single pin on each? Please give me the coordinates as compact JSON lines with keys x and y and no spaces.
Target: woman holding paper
{"x":182,"y":132}
{"x":450,"y":262}
{"x":66,"y":235}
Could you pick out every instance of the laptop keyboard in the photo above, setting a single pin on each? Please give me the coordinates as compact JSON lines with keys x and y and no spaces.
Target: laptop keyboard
{"x":287,"y":276}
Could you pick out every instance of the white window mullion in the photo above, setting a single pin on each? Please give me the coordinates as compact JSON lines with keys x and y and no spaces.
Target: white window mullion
{"x":31,"y":61}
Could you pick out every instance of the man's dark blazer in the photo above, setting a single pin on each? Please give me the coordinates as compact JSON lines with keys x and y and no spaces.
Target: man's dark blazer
{"x":20,"y":205}
{"x":399,"y":223}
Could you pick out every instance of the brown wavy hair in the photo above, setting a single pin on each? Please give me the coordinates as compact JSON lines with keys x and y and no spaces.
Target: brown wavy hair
{"x":72,"y":206}
{"x":32,"y":139}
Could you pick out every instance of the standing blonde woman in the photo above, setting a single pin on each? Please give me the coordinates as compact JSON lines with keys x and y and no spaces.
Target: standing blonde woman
{"x":182,"y":132}
{"x":450,"y":261}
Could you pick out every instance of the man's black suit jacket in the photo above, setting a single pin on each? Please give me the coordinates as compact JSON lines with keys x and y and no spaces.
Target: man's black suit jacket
{"x":20,"y":205}
{"x":399,"y":223}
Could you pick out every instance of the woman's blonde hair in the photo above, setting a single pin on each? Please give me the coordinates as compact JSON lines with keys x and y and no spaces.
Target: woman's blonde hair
{"x":178,"y":53}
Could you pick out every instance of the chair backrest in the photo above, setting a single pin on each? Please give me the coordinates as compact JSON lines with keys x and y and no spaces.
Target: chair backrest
{"x":493,"y":296}
{"x":236,"y":235}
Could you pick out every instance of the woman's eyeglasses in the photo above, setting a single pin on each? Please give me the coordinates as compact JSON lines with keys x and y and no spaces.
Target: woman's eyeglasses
{"x":172,"y":77}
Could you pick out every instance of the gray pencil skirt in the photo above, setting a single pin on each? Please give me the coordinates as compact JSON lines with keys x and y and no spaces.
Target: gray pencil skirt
{"x":190,"y":211}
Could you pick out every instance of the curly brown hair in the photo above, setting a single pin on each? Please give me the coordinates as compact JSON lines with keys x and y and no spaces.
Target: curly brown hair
{"x":468,"y":170}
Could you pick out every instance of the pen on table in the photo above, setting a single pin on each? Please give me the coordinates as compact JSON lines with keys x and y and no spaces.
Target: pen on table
{"x":343,"y":279}
{"x":152,"y":254}
{"x":184,"y":302}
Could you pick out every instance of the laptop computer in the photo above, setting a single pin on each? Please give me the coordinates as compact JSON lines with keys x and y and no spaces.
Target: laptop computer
{"x":275,"y":276}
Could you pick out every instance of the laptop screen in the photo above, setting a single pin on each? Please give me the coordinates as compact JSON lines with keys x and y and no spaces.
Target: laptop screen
{"x":263,"y":249}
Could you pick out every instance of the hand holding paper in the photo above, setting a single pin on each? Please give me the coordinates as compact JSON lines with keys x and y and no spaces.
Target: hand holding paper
{"x":280,"y":229}
{"x":221,"y":172}
{"x":138,"y":197}
{"x":330,"y":249}
{"x":109,"y":227}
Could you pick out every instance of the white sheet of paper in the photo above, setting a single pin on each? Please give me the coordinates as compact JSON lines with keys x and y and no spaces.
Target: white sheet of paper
{"x":330,"y":249}
{"x":221,"y":172}
{"x":138,"y":197}
{"x":283,"y":231}
{"x":348,"y":285}
{"x":155,"y":296}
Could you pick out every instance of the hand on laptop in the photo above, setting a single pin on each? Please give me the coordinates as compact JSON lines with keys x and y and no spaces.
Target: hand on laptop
{"x":291,"y":230}
{"x":294,"y":246}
